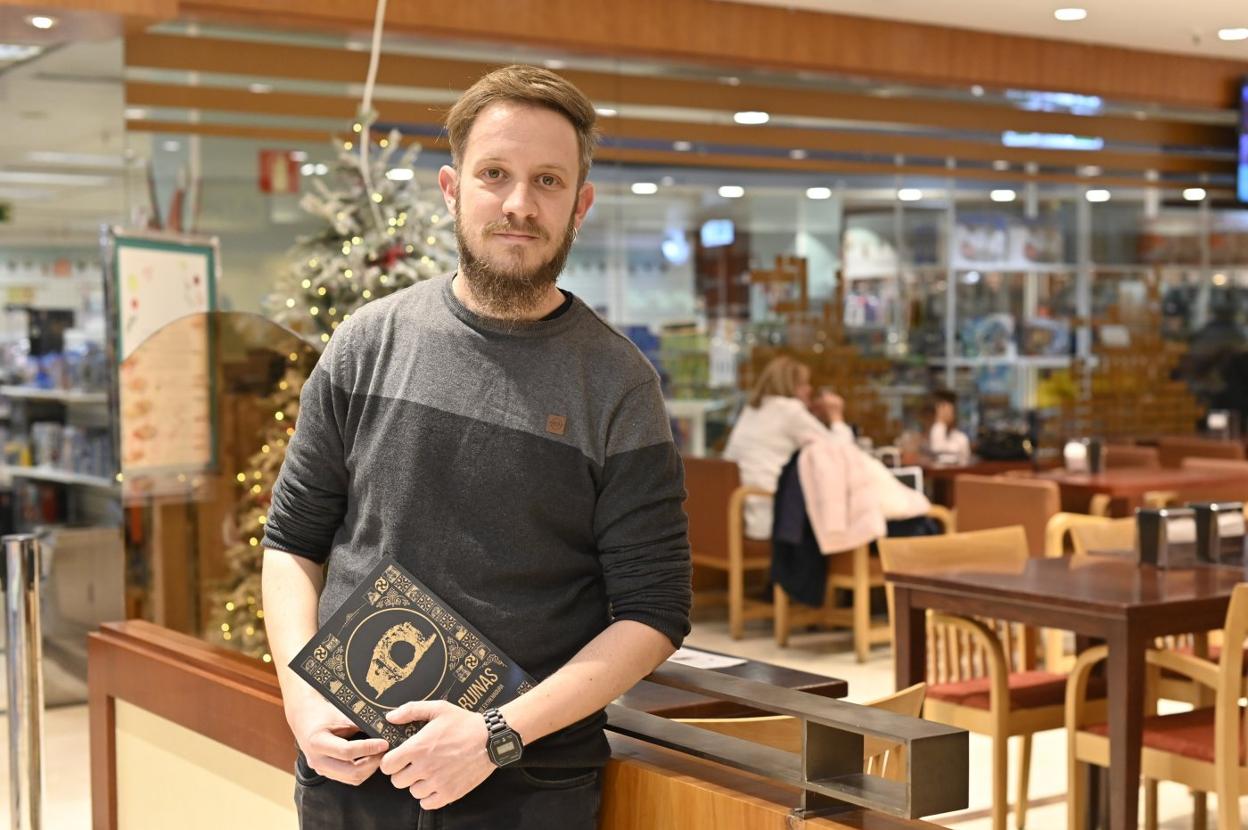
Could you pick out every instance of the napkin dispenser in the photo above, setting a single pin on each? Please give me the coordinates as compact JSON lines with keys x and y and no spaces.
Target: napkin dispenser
{"x":1220,"y":532}
{"x":1167,"y":537}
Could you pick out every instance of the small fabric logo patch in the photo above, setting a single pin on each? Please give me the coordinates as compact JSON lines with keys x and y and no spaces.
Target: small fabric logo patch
{"x":556,"y":424}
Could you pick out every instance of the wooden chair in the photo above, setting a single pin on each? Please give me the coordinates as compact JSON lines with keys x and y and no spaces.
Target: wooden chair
{"x":1176,"y":448}
{"x":880,"y":757}
{"x":982,"y":673}
{"x":1122,"y":456}
{"x":986,"y":502}
{"x":715,"y":505}
{"x":1202,"y":749}
{"x":858,"y":572}
{"x":1229,"y":491}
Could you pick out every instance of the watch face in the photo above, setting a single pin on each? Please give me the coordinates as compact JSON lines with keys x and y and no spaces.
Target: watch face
{"x":504,"y":748}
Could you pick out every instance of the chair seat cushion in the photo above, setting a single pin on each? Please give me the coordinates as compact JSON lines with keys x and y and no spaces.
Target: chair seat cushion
{"x":1189,"y":734}
{"x":1028,"y":690}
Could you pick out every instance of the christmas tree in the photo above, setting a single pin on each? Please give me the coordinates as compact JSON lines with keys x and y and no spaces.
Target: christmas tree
{"x":382,"y":233}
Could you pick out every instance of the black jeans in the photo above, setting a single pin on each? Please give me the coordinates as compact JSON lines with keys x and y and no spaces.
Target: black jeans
{"x":522,"y":799}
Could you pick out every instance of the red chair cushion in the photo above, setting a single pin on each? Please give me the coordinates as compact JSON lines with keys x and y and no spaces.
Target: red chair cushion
{"x":1189,"y":734}
{"x":1028,"y":690}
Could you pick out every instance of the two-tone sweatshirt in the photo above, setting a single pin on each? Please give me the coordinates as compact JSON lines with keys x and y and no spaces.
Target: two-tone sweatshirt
{"x":525,"y":472}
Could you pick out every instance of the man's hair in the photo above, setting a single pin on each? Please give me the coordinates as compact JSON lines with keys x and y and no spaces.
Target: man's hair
{"x":532,"y":86}
{"x":780,"y":377}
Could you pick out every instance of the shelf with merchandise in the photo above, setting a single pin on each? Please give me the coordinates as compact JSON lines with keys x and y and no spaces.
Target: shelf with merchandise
{"x":66,"y":396}
{"x":54,"y":475}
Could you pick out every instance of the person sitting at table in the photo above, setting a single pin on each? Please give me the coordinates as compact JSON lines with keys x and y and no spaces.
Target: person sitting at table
{"x":945,"y":442}
{"x":780,"y":417}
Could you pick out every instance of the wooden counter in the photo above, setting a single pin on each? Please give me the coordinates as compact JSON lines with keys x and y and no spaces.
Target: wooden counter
{"x":188,"y":734}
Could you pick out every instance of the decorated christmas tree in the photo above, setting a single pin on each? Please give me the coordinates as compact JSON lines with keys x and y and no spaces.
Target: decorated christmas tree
{"x":382,"y":233}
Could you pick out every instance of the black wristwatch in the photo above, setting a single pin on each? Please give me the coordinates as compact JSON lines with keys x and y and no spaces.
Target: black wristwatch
{"x":503,"y":744}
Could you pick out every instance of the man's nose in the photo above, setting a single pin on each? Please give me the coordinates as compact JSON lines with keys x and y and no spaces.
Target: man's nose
{"x":520,"y":201}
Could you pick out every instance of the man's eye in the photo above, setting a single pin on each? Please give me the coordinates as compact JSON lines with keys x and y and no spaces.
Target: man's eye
{"x":549,"y":181}
{"x":493,"y":173}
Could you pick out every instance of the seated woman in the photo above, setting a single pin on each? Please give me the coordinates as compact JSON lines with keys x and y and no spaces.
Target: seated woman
{"x":777,"y":421}
{"x":945,"y":442}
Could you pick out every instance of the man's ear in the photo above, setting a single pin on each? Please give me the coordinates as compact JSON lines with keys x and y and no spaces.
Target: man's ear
{"x":448,"y":182}
{"x":584,"y":201}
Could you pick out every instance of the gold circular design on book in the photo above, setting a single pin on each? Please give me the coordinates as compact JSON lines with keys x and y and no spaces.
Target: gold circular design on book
{"x":390,"y":635}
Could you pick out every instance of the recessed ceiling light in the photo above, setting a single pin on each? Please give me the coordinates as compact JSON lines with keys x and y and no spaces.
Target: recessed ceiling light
{"x":645,"y":188}
{"x":298,"y":155}
{"x":977,"y":91}
{"x":321,"y":168}
{"x":1097,"y":195}
{"x":1003,"y":195}
{"x":606,"y":112}
{"x":1194,"y":194}
{"x":667,"y":181}
{"x":1233,"y":34}
{"x":730,"y":80}
{"x":308,"y":169}
{"x":818,"y":193}
{"x":682,"y":146}
{"x":135,"y":113}
{"x":909,"y":194}
{"x":1089,"y":170}
{"x":554,"y":63}
{"x":400,"y":174}
{"x":41,"y":21}
{"x":1070,"y":15}
{"x":797,"y":155}
{"x":732,"y":191}
{"x":260,"y":89}
{"x":751,"y":117}
{"x":171,"y":146}
{"x":1000,"y":164}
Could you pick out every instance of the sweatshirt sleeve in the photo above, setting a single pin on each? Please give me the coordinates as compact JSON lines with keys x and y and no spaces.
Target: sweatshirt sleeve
{"x":640,"y":526}
{"x":310,"y":494}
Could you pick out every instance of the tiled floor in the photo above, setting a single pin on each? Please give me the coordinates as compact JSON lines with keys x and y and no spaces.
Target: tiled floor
{"x":67,"y":804}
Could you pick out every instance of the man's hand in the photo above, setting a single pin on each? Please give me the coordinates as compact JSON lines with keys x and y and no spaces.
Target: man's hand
{"x":445,"y":760}
{"x":321,"y":731}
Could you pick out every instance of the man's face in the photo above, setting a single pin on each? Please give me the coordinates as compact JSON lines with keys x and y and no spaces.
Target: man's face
{"x":517,"y":204}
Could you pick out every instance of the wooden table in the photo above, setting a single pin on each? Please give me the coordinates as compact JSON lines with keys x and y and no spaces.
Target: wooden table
{"x":1102,"y":597}
{"x":674,"y":703}
{"x":1126,"y":487}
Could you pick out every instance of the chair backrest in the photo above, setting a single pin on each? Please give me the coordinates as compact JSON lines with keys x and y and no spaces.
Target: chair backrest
{"x":1120,"y":456}
{"x":1175,"y":448}
{"x":951,"y":655}
{"x":709,"y":483}
{"x":880,"y":758}
{"x":986,"y":502}
{"x":1229,"y":727}
{"x":1229,"y":490}
{"x":1106,"y":535}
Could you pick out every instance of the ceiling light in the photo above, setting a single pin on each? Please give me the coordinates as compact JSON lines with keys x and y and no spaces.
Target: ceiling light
{"x":797,"y":155}
{"x":818,"y":193}
{"x":645,"y":188}
{"x":308,"y":169}
{"x":1097,"y":195}
{"x":751,"y":117}
{"x":1233,"y":34}
{"x":606,"y":112}
{"x":1090,"y":170}
{"x":909,"y":194}
{"x":1070,"y":15}
{"x":1052,"y":141}
{"x":33,"y":177}
{"x":322,"y":169}
{"x":400,"y":174}
{"x":298,"y":155}
{"x":977,"y":91}
{"x":730,"y":80}
{"x":682,"y":146}
{"x":105,"y":160}
{"x":732,"y":191}
{"x":135,"y":113}
{"x":667,"y":181}
{"x":170,"y":146}
{"x":41,"y":21}
{"x":18,"y":51}
{"x":554,"y":63}
{"x":1000,"y":164}
{"x":260,"y":89}
{"x":1003,"y":195}
{"x":1194,"y":194}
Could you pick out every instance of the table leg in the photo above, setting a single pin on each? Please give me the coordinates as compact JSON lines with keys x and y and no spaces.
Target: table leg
{"x":909,"y":640}
{"x":1125,"y":671}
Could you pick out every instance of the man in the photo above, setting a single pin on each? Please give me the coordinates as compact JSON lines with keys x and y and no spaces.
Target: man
{"x":513,"y":452}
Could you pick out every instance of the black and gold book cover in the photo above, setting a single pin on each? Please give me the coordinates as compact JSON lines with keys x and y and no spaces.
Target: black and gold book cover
{"x":394,"y":641}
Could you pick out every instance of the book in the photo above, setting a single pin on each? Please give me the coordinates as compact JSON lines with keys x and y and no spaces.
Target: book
{"x":395,"y":641}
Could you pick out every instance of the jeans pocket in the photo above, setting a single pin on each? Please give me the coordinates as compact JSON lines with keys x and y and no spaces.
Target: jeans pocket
{"x":554,"y":778}
{"x":304,"y":774}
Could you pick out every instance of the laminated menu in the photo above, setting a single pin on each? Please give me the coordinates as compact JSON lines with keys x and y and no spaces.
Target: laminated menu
{"x":395,"y":641}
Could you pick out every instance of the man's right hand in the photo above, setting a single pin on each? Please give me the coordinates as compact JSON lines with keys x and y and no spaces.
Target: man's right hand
{"x":322,"y":733}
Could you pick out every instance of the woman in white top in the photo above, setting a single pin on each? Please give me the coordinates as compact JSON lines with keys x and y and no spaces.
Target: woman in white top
{"x":776,"y":422}
{"x":945,"y":442}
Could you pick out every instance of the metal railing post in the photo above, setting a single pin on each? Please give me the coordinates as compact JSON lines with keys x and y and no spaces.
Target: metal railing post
{"x":24,"y":649}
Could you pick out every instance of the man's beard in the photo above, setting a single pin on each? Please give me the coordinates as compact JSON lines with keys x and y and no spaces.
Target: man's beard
{"x":511,"y":292}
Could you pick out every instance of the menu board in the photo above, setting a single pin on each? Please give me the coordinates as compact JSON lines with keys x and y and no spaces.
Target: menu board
{"x":163,"y":292}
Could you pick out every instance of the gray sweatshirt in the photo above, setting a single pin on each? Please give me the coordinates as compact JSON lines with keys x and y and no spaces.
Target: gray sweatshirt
{"x":525,"y":472}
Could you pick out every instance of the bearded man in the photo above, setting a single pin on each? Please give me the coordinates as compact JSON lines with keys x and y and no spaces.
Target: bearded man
{"x":511,"y":450}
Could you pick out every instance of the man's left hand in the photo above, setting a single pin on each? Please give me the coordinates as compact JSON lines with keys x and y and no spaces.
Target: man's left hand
{"x":445,"y":760}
